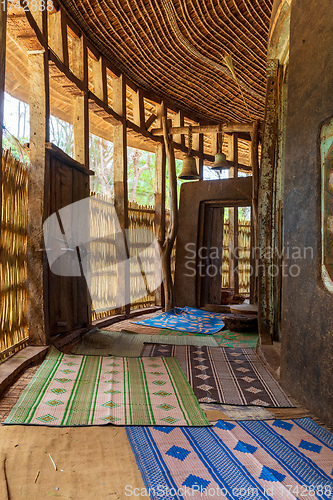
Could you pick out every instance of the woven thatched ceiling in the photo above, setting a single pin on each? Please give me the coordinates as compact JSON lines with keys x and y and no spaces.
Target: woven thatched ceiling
{"x":178,"y":49}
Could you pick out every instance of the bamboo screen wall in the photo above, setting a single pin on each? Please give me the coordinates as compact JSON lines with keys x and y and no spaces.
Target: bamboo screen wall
{"x":103,"y":290}
{"x":13,"y":263}
{"x":103,"y":284}
{"x":244,"y":251}
{"x":141,"y":217}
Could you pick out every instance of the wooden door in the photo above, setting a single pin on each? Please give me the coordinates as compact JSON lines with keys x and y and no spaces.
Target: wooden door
{"x":210,"y":254}
{"x":67,"y":296}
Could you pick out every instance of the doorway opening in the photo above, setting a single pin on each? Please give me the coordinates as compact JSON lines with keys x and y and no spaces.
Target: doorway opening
{"x":224,"y":254}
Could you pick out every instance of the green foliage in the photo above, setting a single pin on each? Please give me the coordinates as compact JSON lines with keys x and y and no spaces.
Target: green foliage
{"x":10,"y":142}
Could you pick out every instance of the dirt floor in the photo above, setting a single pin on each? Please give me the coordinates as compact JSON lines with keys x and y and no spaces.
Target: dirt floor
{"x":72,"y":463}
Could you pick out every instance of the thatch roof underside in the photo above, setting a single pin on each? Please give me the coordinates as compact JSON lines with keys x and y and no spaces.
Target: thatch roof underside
{"x":17,"y":84}
{"x":206,"y":56}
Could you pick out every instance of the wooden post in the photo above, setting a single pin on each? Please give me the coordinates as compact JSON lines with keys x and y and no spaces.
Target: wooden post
{"x":120,"y":180}
{"x":198,"y":146}
{"x":160,"y":170}
{"x":166,"y":247}
{"x":265,"y":205}
{"x":233,"y":218}
{"x":138,"y":109}
{"x":178,"y":121}
{"x":80,"y":103}
{"x":214,"y":144}
{"x":254,"y":215}
{"x":80,"y":111}
{"x":39,"y":127}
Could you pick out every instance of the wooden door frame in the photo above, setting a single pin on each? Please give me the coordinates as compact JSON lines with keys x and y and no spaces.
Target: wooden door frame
{"x":201,"y":233}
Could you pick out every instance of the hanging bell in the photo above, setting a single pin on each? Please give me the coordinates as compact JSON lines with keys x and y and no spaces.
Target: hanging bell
{"x":220,"y":162}
{"x":189,"y":170}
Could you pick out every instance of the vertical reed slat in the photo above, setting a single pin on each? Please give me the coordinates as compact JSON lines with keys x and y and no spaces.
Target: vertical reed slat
{"x":13,"y":262}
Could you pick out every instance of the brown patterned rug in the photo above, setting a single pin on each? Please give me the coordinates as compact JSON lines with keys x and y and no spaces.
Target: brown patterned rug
{"x":232,"y":376}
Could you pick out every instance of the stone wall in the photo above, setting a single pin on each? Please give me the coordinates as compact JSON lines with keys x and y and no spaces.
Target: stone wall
{"x":307,"y":307}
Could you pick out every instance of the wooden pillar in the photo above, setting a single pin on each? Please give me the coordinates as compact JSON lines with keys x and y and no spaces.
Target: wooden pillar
{"x":198,"y":146}
{"x":178,"y":121}
{"x":254,"y":213}
{"x":120,"y":180}
{"x":233,"y":217}
{"x":39,"y":134}
{"x":160,"y":171}
{"x":138,"y":109}
{"x":214,"y":144}
{"x":80,"y":103}
{"x":80,"y":112}
{"x":265,"y":205}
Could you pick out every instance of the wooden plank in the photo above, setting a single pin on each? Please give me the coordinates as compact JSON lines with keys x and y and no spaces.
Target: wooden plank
{"x":120,"y":184}
{"x":160,"y":172}
{"x":39,"y":119}
{"x":10,"y":370}
{"x":265,"y":205}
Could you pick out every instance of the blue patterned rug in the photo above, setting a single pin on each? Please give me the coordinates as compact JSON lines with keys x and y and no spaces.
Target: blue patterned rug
{"x":276,"y":459}
{"x":187,"y":319}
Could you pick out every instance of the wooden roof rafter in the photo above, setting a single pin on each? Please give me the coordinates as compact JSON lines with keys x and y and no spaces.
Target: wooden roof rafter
{"x":64,"y":78}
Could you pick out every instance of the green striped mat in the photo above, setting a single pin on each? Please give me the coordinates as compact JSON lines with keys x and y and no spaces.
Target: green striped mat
{"x":70,"y":390}
{"x":105,"y":343}
{"x":224,"y":338}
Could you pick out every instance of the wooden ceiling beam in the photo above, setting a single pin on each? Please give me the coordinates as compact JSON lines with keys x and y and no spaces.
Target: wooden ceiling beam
{"x":150,"y":121}
{"x":208,"y":129}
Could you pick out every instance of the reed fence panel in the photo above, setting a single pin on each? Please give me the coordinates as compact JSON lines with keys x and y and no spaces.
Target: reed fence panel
{"x":244,"y":251}
{"x":104,"y":284}
{"x":13,"y":261}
